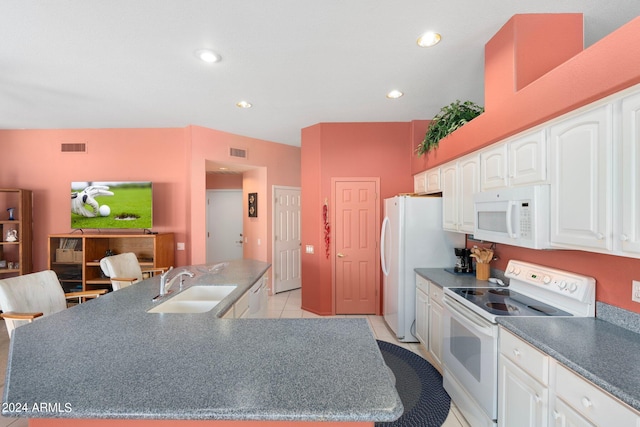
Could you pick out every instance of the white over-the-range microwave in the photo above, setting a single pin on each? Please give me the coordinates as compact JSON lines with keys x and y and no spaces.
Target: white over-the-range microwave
{"x":516,"y":216}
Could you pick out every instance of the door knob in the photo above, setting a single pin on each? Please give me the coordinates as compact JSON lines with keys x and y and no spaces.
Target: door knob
{"x":340,"y":255}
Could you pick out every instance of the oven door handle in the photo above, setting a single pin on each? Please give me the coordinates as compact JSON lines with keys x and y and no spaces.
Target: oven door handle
{"x":470,"y":318}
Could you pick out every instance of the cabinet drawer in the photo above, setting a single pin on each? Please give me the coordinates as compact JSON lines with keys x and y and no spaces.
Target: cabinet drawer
{"x":422,"y":284}
{"x":524,"y":356}
{"x":435,"y":292}
{"x":593,"y":402}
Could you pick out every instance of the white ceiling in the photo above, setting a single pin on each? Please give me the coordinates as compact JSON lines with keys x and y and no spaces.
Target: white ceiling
{"x":131,"y":63}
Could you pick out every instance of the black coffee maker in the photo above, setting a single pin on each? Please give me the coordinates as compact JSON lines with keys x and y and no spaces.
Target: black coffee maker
{"x":463,"y":261}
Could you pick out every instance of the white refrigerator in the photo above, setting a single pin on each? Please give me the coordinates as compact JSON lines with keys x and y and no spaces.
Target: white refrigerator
{"x":411,"y":237}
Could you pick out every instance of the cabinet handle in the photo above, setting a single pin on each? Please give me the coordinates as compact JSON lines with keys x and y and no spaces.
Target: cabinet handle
{"x":624,"y":237}
{"x":538,"y":398}
{"x":599,"y":236}
{"x":516,"y":352}
{"x":556,"y":415}
{"x":586,"y":402}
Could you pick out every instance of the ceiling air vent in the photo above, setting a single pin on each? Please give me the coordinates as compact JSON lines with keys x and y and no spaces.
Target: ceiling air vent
{"x":238,"y":152}
{"x":73,"y":147}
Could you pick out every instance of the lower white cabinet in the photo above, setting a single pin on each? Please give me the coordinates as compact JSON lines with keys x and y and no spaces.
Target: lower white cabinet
{"x":591,"y":405}
{"x":422,"y":310}
{"x":523,"y":392}
{"x":429,"y":318}
{"x":435,"y":323}
{"x":536,"y":390}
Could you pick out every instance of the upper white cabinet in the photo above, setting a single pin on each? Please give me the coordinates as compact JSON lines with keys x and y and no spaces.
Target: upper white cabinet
{"x":629,"y":160}
{"x":460,"y":180}
{"x":580,"y":175}
{"x":521,"y":160}
{"x":420,"y":183}
{"x":427,"y":182}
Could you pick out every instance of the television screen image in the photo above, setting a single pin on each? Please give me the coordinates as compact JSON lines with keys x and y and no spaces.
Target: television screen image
{"x":111,"y":204}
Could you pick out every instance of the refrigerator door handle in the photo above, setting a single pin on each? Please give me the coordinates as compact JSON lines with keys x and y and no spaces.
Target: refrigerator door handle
{"x":383,"y":235}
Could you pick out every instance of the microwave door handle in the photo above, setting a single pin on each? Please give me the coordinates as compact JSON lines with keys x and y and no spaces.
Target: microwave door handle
{"x":510,"y":208}
{"x":383,"y":236}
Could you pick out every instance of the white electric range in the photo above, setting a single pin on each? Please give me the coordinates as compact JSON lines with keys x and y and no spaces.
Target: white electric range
{"x":470,"y":329}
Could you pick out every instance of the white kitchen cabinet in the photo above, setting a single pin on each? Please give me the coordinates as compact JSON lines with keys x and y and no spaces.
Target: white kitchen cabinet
{"x":521,"y":160}
{"x":420,"y":183}
{"x":460,"y":180}
{"x":522,"y":401}
{"x":494,"y":162}
{"x":581,"y":176}
{"x":629,"y":161}
{"x":435,"y":323}
{"x":591,"y":405}
{"x":528,"y":159}
{"x":433,"y":181}
{"x":523,"y":392}
{"x":536,"y":390}
{"x":422,"y":311}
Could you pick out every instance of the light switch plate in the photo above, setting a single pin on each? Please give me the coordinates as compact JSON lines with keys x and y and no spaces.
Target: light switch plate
{"x":635,"y":290}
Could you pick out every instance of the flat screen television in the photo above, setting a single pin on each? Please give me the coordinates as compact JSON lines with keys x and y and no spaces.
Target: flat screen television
{"x":111,"y":204}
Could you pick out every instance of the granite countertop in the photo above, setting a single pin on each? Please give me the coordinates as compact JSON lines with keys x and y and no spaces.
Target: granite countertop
{"x":109,"y":358}
{"x":445,"y":279}
{"x":602,"y":351}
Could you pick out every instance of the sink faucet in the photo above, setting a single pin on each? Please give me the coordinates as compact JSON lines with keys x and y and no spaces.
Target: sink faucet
{"x":165,"y":285}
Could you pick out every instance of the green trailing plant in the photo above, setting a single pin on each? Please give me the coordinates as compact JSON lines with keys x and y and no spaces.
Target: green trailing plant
{"x":450,"y":118}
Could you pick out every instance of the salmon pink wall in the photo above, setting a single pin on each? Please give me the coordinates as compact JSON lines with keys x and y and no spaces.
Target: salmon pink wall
{"x":272,"y":163}
{"x":608,"y":66}
{"x":331,"y":150}
{"x":224,"y":181}
{"x":32,"y":159}
{"x":176,"y":164}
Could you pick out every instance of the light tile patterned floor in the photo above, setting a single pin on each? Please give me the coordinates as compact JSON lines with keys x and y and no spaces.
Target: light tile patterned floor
{"x":280,"y":306}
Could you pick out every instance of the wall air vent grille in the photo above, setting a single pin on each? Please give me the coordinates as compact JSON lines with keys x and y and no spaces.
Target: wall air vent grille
{"x":73,"y":147}
{"x":238,"y":152}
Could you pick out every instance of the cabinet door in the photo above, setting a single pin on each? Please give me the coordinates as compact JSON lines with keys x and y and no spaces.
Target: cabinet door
{"x":493,"y":167}
{"x":565,"y":416}
{"x":422,"y":319}
{"x":449,"y":197}
{"x":435,"y":331}
{"x":629,"y":161}
{"x":420,"y":183}
{"x":433,"y":181}
{"x":469,"y":175}
{"x":528,"y":159}
{"x":581,"y":180}
{"x":522,"y":401}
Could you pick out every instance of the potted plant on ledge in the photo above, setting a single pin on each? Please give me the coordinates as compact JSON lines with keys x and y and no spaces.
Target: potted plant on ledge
{"x":450,"y":118}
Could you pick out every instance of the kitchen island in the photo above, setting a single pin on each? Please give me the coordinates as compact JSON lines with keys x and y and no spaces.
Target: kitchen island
{"x":109,"y":362}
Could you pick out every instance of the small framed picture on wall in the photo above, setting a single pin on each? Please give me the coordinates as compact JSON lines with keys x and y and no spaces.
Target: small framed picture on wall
{"x":253,"y":205}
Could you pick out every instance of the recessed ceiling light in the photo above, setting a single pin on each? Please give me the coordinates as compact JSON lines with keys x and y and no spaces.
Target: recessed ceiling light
{"x":429,"y":39}
{"x":244,"y":104}
{"x":208,"y":55}
{"x":394,"y":94}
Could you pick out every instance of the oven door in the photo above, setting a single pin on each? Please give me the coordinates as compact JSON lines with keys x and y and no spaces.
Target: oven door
{"x":470,"y":358}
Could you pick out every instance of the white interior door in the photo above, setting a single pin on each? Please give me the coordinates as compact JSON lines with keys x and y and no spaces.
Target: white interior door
{"x":224,"y":225}
{"x":286,"y":240}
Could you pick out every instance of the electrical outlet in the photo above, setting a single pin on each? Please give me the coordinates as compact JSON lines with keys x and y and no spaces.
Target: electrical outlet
{"x":635,"y":290}
{"x":309,"y":249}
{"x":180,"y":246}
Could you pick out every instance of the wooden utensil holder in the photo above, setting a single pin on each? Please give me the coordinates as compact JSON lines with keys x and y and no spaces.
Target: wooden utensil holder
{"x":483,"y":270}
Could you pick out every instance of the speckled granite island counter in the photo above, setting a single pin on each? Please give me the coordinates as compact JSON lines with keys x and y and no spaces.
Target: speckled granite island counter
{"x":110,"y":360}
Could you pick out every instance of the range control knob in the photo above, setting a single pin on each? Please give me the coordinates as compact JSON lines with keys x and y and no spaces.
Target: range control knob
{"x":573,"y":287}
{"x":546,"y":280}
{"x":562,"y":284}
